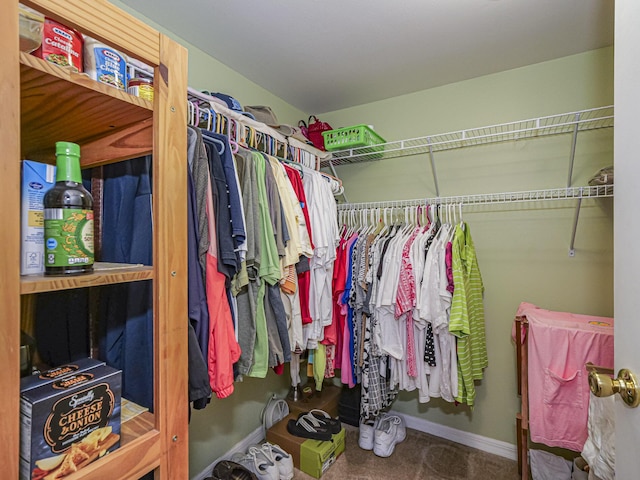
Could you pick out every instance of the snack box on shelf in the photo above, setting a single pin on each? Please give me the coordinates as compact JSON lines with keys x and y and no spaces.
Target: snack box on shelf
{"x":69,"y":423}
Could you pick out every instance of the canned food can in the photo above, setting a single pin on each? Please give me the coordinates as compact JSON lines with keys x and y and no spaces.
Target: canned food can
{"x":141,"y":87}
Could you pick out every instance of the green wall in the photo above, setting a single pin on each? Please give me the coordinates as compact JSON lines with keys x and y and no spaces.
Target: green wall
{"x":207,"y":73}
{"x":522,"y":249}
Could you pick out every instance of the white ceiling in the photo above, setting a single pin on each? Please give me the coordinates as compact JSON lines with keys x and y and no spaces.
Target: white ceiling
{"x":325,"y":55}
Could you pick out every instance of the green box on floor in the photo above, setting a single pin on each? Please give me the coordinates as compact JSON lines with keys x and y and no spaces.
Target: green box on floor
{"x":317,"y":456}
{"x":311,"y":456}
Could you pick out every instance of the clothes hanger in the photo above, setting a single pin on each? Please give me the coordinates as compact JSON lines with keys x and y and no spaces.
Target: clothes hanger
{"x":363,"y":222}
{"x":292,"y":164}
{"x":372,"y":221}
{"x":387,"y":223}
{"x":408,"y":216}
{"x":462,"y":224}
{"x":452,"y":222}
{"x":342,"y":223}
{"x":219,"y":143}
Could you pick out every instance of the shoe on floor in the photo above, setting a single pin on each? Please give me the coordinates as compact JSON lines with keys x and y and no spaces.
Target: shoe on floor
{"x":367,"y":434}
{"x":228,"y":470}
{"x":402,"y":429}
{"x":282,"y":459}
{"x":259,"y":463}
{"x":388,"y":433}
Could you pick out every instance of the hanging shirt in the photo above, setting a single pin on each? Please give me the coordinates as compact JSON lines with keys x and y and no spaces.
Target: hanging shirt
{"x":236,"y":212}
{"x":269,"y":270}
{"x":467,"y":315}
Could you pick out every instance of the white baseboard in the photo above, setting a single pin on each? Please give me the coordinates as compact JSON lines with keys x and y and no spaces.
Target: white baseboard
{"x":257,"y":436}
{"x":486,"y":444}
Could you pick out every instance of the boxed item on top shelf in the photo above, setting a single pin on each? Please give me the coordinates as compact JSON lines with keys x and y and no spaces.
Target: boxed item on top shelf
{"x":61,"y":45}
{"x":37,"y":178}
{"x":70,"y":422}
{"x":357,"y":136}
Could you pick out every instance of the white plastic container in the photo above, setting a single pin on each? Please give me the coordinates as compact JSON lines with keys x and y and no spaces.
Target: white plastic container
{"x":105,"y":64}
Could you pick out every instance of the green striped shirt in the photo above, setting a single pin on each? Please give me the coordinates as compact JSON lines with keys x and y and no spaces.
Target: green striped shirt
{"x":467,"y":315}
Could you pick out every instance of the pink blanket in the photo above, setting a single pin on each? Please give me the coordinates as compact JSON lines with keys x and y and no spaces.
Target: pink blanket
{"x":560,"y":344}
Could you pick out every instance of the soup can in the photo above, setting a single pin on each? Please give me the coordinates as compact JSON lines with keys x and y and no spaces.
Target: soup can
{"x":141,"y":87}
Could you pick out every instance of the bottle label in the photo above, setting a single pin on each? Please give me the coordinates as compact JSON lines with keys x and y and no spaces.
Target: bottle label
{"x":68,"y":236}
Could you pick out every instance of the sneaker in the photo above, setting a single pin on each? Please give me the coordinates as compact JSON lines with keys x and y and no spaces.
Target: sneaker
{"x":402,"y":429}
{"x":282,"y":459}
{"x":228,"y":470}
{"x":367,"y":434}
{"x":259,"y":463}
{"x":388,"y":433}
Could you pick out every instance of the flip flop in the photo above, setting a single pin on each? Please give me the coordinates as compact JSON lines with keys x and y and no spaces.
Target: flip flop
{"x":305,"y":429}
{"x":320,"y":418}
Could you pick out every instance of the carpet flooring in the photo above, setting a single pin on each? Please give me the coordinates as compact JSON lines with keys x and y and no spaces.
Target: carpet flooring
{"x":420,"y":457}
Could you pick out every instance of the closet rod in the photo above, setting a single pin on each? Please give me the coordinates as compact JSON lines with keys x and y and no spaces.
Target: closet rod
{"x":583,"y":120}
{"x":569,"y":193}
{"x":598,"y":191}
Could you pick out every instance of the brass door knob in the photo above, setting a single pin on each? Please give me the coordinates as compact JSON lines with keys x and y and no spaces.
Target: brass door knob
{"x":602,"y":385}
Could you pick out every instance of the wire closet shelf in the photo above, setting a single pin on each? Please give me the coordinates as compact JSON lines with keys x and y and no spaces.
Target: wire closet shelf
{"x":571,"y":122}
{"x":564,"y":193}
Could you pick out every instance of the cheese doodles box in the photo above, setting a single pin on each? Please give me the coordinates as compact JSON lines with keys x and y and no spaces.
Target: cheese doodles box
{"x":53,"y":374}
{"x":69,"y":423}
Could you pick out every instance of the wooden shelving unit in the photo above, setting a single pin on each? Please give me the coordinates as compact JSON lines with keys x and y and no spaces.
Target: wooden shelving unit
{"x":41,"y":104}
{"x":100,"y":276}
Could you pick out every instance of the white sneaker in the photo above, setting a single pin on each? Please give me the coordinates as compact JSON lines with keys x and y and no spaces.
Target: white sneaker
{"x":388,"y":433}
{"x":402,"y":429}
{"x":367,"y":434}
{"x":282,"y":459}
{"x":259,"y":463}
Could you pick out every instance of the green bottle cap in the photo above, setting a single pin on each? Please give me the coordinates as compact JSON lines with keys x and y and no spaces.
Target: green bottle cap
{"x":68,"y":162}
{"x":67,"y":148}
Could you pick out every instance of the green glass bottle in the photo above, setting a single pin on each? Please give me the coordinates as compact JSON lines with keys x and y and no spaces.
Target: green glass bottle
{"x":68,"y":217}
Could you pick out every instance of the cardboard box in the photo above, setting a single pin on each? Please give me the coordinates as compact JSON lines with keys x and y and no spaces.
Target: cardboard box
{"x":37,"y":178}
{"x":70,"y":422}
{"x":53,"y":374}
{"x":311,"y":456}
{"x":317,"y":456}
{"x":327,"y":399}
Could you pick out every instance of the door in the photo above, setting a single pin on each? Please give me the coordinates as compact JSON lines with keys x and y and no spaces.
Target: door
{"x":627,"y":226}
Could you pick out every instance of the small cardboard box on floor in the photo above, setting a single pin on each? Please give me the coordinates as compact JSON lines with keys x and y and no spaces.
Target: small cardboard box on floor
{"x":313,"y":457}
{"x":327,"y":400}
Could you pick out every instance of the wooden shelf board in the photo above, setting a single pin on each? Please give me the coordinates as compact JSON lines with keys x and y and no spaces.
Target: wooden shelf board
{"x":60,"y":105}
{"x":103,"y":274}
{"x":137,"y":426}
{"x":138,"y":454}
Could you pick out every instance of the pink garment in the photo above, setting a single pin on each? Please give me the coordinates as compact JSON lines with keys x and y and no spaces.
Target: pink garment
{"x":559,"y":345}
{"x":448,"y":260}
{"x":406,"y":301}
{"x":346,"y":372}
